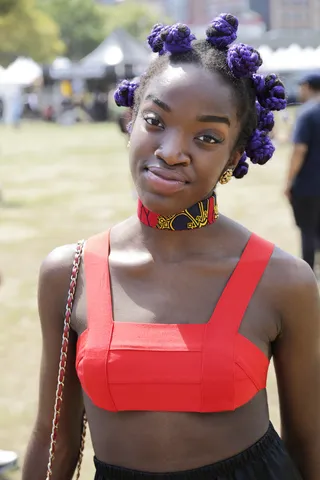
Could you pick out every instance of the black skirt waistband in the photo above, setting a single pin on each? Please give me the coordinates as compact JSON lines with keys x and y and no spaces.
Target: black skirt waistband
{"x":269,"y":444}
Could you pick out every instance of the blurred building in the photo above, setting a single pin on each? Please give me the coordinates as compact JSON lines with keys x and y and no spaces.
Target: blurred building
{"x":198,"y":13}
{"x":294,"y":14}
{"x":263,"y":8}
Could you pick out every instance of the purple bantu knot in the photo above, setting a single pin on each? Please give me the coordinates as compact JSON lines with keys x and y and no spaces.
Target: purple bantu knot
{"x":177,"y":38}
{"x":243,"y":60}
{"x":154,"y":40}
{"x":265,"y":118}
{"x":222,"y":31}
{"x":259,"y":148}
{"x":124,"y":95}
{"x":242,"y":168}
{"x":270,"y":92}
{"x":259,"y":83}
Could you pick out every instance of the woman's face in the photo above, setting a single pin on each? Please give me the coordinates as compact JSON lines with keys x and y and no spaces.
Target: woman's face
{"x":183,"y":138}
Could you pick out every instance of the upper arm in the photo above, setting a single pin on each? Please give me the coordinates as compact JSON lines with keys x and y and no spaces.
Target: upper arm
{"x":299,"y":151}
{"x":53,"y":287}
{"x":297,"y":364}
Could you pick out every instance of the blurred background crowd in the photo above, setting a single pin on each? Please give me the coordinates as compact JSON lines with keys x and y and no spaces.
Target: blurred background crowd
{"x":60,"y":60}
{"x":63,"y":160}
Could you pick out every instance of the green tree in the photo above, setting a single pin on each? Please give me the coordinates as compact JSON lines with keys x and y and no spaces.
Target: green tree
{"x":80,"y":21}
{"x":6,"y":6}
{"x":28,"y":31}
{"x":136,"y":18}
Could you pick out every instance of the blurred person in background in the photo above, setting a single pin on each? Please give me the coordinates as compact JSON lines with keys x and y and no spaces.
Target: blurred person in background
{"x":303,"y":179}
{"x":178,"y":309}
{"x":17,"y":107}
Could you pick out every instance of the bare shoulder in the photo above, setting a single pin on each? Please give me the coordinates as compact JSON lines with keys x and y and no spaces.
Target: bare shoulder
{"x":294,"y":286}
{"x":290,"y":273}
{"x":58,"y":264}
{"x":54,"y":277}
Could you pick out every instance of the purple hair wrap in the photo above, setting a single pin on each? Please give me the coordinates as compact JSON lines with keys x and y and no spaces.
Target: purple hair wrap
{"x":177,"y":38}
{"x":154,"y":40}
{"x":259,"y":147}
{"x":242,"y":168}
{"x":243,"y":60}
{"x":124,"y":95}
{"x":270,"y":92}
{"x":265,"y":118}
{"x":222,"y":31}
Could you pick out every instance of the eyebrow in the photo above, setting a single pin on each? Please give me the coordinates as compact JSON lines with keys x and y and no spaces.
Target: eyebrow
{"x":201,"y":118}
{"x":159,"y":102}
{"x":213,"y":119}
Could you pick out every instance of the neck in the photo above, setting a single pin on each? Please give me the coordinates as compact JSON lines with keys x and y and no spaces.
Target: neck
{"x":181,"y":245}
{"x":174,"y":237}
{"x":314,"y":96}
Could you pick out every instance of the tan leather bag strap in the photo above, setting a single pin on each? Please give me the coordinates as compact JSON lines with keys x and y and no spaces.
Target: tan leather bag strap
{"x":62,"y":368}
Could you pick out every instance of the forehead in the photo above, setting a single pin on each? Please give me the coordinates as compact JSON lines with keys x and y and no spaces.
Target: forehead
{"x":190,"y":85}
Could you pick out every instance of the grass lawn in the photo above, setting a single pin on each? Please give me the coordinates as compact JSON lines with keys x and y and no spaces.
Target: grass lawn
{"x":64,"y":183}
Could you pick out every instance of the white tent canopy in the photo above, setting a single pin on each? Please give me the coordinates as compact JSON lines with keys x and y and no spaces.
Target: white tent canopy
{"x":23,"y":71}
{"x":292,"y":58}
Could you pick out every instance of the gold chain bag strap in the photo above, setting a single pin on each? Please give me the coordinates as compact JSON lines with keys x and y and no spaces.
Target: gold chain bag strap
{"x":62,"y":368}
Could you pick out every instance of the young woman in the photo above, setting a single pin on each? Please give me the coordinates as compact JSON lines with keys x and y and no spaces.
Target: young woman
{"x":178,"y":310}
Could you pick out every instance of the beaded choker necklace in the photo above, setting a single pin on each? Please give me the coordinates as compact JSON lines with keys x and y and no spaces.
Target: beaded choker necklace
{"x":199,"y":215}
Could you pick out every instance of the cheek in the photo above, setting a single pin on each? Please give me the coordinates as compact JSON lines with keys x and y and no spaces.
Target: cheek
{"x":139,"y":138}
{"x":209,"y":167}
{"x":140,"y":146}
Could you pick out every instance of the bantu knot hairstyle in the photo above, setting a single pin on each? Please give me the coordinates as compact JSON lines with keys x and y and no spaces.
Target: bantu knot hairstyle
{"x":265,"y":118}
{"x":154,"y":39}
{"x":177,"y":39}
{"x":222,"y":31}
{"x":259,"y":148}
{"x":124,"y":95}
{"x":270,"y":92}
{"x":242,"y":168}
{"x":243,"y":60}
{"x":256,"y":96}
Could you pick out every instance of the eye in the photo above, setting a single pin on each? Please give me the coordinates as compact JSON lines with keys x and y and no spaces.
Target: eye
{"x":153,"y":120}
{"x":209,"y":139}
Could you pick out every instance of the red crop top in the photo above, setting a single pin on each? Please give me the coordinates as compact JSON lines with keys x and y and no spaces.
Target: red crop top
{"x":169,"y":367}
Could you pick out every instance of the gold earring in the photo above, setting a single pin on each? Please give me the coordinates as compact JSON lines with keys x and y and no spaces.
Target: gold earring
{"x":226,"y":176}
{"x":128,"y":144}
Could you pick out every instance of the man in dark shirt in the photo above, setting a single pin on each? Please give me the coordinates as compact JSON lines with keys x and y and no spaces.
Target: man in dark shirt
{"x":303,"y":181}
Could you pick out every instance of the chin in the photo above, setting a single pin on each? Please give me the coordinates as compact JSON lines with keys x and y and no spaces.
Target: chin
{"x":162,"y":205}
{"x":167,"y":205}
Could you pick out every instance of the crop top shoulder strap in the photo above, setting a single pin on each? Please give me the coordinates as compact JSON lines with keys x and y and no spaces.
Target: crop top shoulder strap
{"x":228,"y":314}
{"x":243,"y":281}
{"x":99,"y":313}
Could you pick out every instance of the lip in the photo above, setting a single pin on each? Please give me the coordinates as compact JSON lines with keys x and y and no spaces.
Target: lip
{"x":166,"y":174}
{"x":164,"y":181}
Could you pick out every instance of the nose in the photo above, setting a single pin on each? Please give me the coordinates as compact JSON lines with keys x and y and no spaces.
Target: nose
{"x":172,"y":150}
